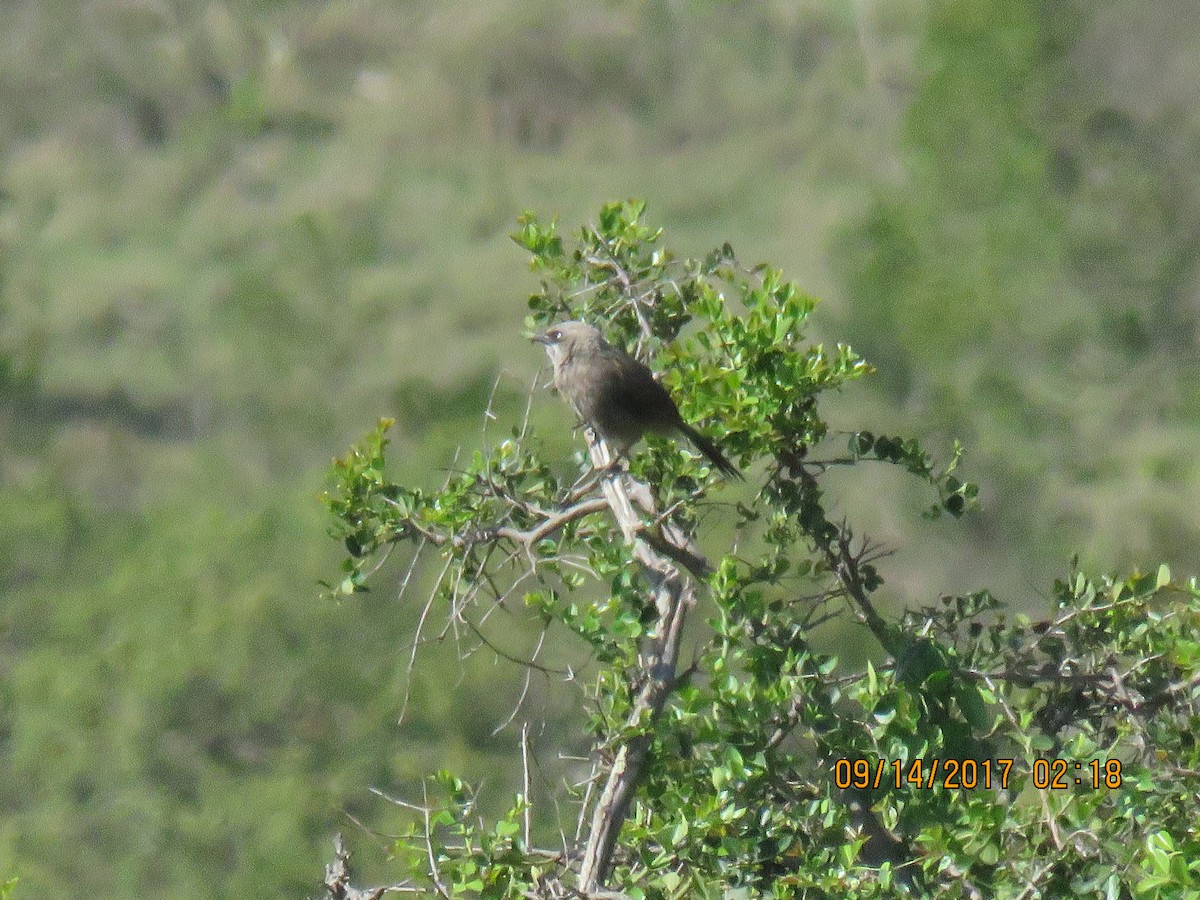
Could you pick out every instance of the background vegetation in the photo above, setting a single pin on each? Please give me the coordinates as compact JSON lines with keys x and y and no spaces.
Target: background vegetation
{"x":232,"y":234}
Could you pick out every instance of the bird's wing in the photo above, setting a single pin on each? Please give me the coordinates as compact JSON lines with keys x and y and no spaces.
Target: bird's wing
{"x":643,"y":398}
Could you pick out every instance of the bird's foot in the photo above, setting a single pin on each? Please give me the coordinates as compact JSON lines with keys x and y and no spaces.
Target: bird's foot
{"x":612,"y":470}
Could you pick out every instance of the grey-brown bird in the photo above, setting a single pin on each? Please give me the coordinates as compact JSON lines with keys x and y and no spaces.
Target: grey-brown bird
{"x":615,"y":394}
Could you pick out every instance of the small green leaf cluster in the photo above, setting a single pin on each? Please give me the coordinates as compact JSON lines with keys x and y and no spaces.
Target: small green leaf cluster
{"x":616,"y":274}
{"x":954,"y":496}
{"x":372,"y":512}
{"x":363,"y":505}
{"x":451,"y":851}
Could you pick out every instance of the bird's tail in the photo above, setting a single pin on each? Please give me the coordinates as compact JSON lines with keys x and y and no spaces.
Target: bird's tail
{"x":709,"y":449}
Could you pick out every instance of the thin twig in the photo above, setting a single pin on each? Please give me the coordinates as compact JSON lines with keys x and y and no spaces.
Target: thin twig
{"x":525,"y":790}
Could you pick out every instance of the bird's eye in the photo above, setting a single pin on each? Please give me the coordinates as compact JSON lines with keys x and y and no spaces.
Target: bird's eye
{"x":555,"y":335}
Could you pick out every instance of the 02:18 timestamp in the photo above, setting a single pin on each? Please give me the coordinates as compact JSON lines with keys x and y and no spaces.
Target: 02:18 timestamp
{"x":1060,"y":774}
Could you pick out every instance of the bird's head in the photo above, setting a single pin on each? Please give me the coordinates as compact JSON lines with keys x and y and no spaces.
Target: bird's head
{"x":565,"y":338}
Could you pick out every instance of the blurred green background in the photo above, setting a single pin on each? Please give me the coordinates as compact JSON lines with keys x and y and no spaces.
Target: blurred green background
{"x":234,"y":233}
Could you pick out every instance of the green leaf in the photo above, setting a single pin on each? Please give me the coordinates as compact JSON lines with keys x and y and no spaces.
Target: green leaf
{"x":506,"y":828}
{"x":971,"y":703}
{"x":1164,"y":576}
{"x":680,"y":832}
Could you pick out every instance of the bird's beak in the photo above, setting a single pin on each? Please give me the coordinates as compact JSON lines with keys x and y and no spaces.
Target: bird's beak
{"x":540,"y":339}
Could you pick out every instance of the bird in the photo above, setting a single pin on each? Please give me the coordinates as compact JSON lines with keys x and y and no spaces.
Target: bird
{"x":615,"y":394}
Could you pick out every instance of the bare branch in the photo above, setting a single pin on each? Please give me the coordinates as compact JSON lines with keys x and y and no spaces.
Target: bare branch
{"x":434,"y":873}
{"x":674,"y":595}
{"x":525,"y":793}
{"x":531,"y":537}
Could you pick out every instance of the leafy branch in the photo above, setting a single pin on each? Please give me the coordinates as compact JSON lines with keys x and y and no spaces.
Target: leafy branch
{"x":721,"y":770}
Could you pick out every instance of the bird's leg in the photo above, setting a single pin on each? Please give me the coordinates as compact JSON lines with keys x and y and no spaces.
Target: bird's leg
{"x":613,"y":469}
{"x":612,"y":456}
